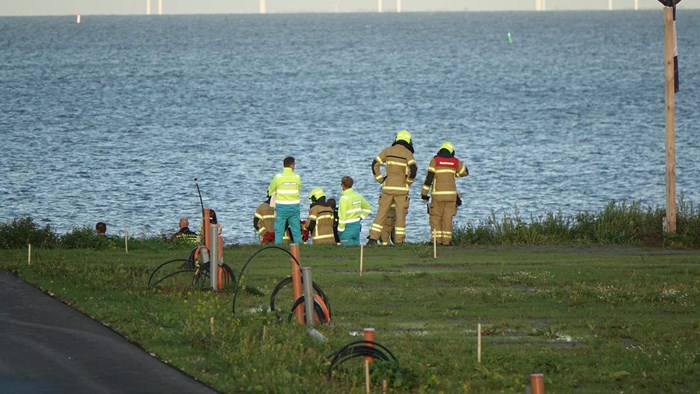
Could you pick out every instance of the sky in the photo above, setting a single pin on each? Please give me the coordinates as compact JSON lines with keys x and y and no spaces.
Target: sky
{"x":134,"y":7}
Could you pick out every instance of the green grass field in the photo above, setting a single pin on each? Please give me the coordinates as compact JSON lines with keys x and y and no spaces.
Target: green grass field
{"x":590,"y":319}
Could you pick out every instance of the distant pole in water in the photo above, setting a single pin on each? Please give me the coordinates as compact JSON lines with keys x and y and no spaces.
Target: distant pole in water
{"x":636,"y":5}
{"x":398,"y":6}
{"x":148,"y":7}
{"x":262,"y":7}
{"x":160,"y":7}
{"x":510,"y":39}
{"x":77,"y":18}
{"x":671,"y":74}
{"x":379,"y":5}
{"x":540,"y":5}
{"x":610,"y":7}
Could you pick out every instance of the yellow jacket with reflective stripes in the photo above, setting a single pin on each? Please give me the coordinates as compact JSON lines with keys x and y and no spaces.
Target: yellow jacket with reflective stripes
{"x":287,"y":186}
{"x":264,"y":219}
{"x":320,"y":223}
{"x":440,"y":178}
{"x":400,"y":167}
{"x":352,"y":208}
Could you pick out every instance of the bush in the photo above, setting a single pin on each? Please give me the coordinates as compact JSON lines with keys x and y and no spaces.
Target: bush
{"x":23,"y":231}
{"x":620,"y":223}
{"x":85,"y":238}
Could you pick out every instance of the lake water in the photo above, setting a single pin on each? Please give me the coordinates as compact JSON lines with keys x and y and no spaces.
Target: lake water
{"x":113,"y":118}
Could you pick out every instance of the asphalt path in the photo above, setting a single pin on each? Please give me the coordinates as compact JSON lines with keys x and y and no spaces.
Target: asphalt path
{"x":49,"y":347}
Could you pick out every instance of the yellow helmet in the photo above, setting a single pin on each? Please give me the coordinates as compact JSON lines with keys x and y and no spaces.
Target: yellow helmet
{"x":316,"y":193}
{"x":404,"y":135}
{"x":448,"y":145}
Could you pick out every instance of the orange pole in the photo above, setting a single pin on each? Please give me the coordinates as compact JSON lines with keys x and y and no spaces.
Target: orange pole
{"x":205,"y":228}
{"x":220,"y":277}
{"x":296,"y":282}
{"x":537,"y":383}
{"x":368,"y":335}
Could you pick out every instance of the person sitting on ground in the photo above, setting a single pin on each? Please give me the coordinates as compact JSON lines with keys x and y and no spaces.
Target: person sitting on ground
{"x":101,"y":228}
{"x":264,"y":222}
{"x":321,"y":218}
{"x":184,"y":229}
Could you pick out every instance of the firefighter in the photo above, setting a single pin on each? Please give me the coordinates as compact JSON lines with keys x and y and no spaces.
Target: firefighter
{"x":286,"y":187}
{"x":388,"y":234}
{"x":320,"y":223}
{"x":264,"y":222}
{"x":352,"y":208}
{"x":401,"y":169}
{"x":439,"y":182}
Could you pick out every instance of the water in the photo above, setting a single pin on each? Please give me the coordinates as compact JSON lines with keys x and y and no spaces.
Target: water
{"x":112,"y":119}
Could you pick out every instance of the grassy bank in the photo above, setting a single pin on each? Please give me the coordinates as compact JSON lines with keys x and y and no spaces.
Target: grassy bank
{"x":591,"y":319}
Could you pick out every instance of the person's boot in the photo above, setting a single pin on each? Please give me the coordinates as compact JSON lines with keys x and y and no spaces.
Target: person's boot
{"x":371,"y":241}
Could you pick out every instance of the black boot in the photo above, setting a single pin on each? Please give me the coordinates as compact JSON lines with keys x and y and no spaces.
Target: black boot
{"x":371,"y":241}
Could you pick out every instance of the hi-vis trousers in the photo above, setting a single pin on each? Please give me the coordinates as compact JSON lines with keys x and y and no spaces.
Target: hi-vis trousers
{"x":441,"y":214}
{"x":385,"y":201}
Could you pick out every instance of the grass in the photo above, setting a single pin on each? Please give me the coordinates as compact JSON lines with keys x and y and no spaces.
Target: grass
{"x":592,"y":320}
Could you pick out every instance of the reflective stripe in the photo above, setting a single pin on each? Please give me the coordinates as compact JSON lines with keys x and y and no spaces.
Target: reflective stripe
{"x":262,"y":230}
{"x":287,"y":202}
{"x":346,"y":221}
{"x":323,"y":236}
{"x":396,"y":163}
{"x":404,"y":188}
{"x":444,"y":171}
{"x":285,"y":191}
{"x":445,"y":193}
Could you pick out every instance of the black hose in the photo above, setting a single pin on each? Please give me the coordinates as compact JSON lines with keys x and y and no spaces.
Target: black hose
{"x":286,"y":281}
{"x":250,"y":259}
{"x":189,"y":267}
{"x":360,"y":349}
{"x":317,"y":309}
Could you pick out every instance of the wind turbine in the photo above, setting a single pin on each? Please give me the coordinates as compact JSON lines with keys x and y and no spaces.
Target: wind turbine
{"x":263,"y":7}
{"x":148,"y":7}
{"x":379,"y":6}
{"x":398,"y":6}
{"x":160,"y":7}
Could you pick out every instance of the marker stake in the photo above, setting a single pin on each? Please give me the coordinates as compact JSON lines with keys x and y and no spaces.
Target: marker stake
{"x":126,"y":240}
{"x":478,"y":343}
{"x":362,"y":256}
{"x":29,"y":254}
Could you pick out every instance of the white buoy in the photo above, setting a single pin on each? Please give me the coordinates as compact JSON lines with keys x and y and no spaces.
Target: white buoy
{"x":77,"y":18}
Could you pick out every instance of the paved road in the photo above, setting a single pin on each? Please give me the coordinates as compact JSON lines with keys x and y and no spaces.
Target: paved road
{"x":48,"y":347}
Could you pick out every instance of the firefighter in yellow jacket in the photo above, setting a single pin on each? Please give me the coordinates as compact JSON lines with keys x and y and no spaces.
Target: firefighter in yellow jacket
{"x":401,"y":169}
{"x":264,"y":222}
{"x":439,"y":182}
{"x":321,"y":218}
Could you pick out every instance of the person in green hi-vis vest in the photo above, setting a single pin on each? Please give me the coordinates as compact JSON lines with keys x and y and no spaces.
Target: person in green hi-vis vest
{"x":286,"y":187}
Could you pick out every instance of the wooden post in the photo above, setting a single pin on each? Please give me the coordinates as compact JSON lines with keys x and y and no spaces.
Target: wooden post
{"x":669,"y":54}
{"x":478,"y":343}
{"x":434,"y":245}
{"x":368,"y":335}
{"x":29,"y":254}
{"x":362,"y":256}
{"x":211,"y":321}
{"x":298,"y":289}
{"x":126,"y":240}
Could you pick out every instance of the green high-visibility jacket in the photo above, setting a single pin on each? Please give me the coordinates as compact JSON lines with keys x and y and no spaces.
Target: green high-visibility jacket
{"x":287,"y":186}
{"x":352,"y":208}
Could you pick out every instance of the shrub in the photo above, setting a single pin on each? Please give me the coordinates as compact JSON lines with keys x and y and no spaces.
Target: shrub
{"x":23,"y":231}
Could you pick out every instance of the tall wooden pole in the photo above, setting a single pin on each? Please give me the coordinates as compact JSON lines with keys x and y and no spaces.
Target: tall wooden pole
{"x":669,"y":55}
